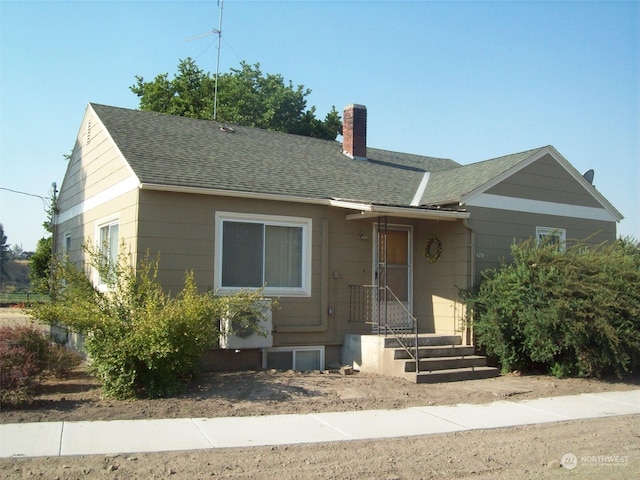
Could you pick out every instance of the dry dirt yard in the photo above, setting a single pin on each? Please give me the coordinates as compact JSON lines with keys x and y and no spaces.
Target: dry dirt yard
{"x":610,"y":446}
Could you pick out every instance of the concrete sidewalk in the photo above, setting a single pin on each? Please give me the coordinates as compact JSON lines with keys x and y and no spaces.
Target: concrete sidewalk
{"x":129,"y":436}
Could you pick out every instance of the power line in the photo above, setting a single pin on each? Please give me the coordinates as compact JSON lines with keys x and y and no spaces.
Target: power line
{"x":45,"y":200}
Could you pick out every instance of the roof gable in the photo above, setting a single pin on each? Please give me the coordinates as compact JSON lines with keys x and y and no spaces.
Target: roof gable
{"x":450,"y":186}
{"x":95,"y":166}
{"x":462,"y":185}
{"x":562,"y":162}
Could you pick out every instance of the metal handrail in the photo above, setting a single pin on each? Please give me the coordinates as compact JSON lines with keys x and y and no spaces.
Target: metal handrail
{"x":399,"y":335}
{"x":363,"y":309}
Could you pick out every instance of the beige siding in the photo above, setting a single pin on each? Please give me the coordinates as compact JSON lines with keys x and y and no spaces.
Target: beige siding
{"x":437,"y":304}
{"x":181,"y":229}
{"x":83,"y":228}
{"x":496,"y":230}
{"x":545,"y":180}
{"x":95,"y":166}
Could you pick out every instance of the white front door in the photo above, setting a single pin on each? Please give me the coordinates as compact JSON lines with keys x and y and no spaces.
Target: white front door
{"x":392,"y":269}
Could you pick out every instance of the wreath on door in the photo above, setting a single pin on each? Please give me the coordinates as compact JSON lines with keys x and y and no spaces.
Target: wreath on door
{"x":433,"y":249}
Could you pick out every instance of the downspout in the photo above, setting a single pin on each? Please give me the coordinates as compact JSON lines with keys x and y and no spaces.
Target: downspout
{"x":324,"y":291}
{"x":471,"y":272}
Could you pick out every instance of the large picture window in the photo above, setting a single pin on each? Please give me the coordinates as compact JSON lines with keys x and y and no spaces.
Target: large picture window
{"x":256,"y":251}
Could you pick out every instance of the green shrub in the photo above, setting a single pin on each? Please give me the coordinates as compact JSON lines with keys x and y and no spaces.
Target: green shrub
{"x":141,"y":341}
{"x":575,"y":313}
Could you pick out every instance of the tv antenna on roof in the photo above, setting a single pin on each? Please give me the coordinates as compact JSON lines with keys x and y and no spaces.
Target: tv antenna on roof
{"x":218,"y":32}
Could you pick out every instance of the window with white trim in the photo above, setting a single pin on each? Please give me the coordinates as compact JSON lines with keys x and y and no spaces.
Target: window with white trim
{"x":253,"y":251}
{"x":66,"y":246}
{"x":552,"y":236}
{"x":108,"y":239}
{"x":302,"y":359}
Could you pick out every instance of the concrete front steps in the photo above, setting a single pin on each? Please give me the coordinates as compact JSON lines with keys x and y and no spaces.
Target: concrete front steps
{"x":442,"y":358}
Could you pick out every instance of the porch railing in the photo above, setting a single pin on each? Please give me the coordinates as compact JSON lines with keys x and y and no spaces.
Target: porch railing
{"x":381,"y":308}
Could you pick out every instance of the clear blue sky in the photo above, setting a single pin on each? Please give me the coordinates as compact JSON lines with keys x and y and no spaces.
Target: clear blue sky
{"x":463,"y":80}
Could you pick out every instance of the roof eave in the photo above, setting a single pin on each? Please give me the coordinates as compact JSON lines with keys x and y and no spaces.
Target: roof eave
{"x":368,"y":210}
{"x":365,"y":210}
{"x":588,"y":186}
{"x":232,"y":193}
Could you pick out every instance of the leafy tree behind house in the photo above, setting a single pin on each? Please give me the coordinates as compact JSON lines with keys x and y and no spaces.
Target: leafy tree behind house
{"x":575,"y":313}
{"x":246,"y":96}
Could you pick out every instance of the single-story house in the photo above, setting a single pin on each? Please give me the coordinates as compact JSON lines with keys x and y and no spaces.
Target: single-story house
{"x":354,"y":241}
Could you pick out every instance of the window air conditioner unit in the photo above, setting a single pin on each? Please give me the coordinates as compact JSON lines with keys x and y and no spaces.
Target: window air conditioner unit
{"x":244,"y":338}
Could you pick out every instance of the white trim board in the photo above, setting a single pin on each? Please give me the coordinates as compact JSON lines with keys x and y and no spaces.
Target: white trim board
{"x":499,"y":202}
{"x":120,"y":188}
{"x":421,"y":188}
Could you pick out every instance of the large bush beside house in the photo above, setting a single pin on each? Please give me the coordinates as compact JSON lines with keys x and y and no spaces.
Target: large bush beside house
{"x":572,"y":313}
{"x":141,"y":341}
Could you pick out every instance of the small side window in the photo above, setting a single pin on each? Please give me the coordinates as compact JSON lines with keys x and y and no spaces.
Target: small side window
{"x":66,"y":247}
{"x":108,"y":239}
{"x":552,"y":236}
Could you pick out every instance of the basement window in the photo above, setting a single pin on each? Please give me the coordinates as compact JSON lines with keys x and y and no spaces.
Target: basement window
{"x":302,"y":359}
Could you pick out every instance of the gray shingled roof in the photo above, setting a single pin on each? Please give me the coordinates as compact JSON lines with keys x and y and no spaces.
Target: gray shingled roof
{"x":178,"y":151}
{"x":450,"y":186}
{"x":183,"y":152}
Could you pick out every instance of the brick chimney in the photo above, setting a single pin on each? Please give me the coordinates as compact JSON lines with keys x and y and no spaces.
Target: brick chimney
{"x":354,"y":131}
